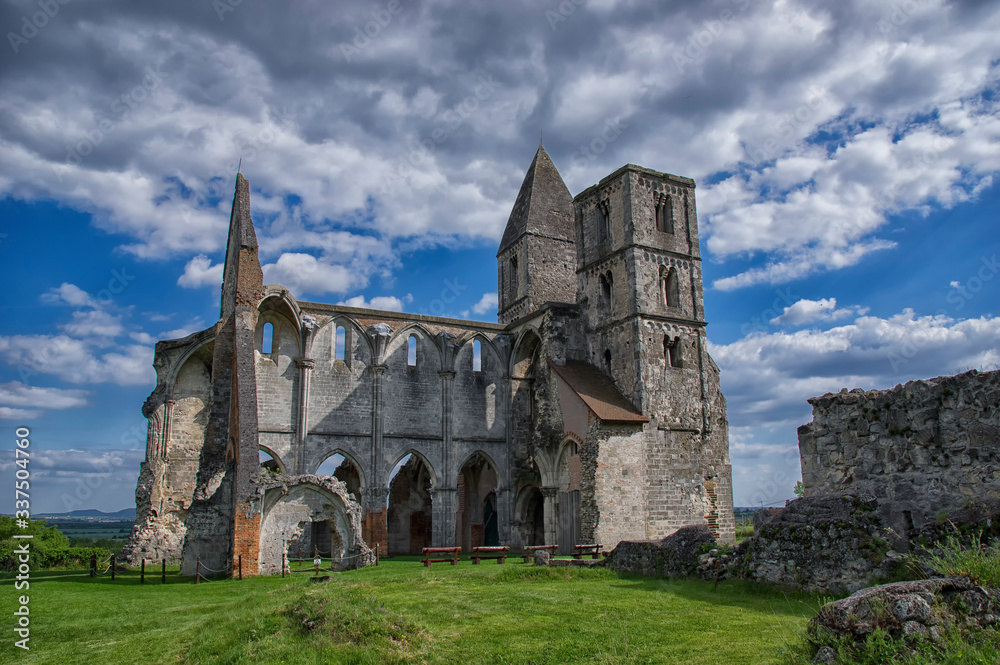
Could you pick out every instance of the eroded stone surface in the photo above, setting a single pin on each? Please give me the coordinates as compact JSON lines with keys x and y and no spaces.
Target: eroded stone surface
{"x":924,"y":608}
{"x":818,"y":544}
{"x":925,"y":449}
{"x":677,"y":555}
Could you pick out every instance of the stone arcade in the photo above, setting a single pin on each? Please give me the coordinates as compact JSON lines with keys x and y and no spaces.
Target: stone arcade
{"x":590,"y":413}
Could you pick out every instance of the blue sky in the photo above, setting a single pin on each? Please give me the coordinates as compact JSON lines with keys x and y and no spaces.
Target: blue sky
{"x":846,"y":158}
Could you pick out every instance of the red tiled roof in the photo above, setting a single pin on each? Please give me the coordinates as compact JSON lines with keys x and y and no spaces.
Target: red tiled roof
{"x":598,"y":392}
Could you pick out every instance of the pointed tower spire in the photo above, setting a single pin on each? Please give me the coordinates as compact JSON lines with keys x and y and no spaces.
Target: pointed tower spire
{"x":540,"y":232}
{"x":242,"y":239}
{"x":543,"y":204}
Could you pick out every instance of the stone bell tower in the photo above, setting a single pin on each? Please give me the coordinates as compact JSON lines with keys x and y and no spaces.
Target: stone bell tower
{"x":535,"y":262}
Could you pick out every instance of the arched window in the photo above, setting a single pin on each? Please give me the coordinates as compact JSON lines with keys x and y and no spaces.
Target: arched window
{"x":611,"y":290}
{"x":607,"y":360}
{"x":340,"y":344}
{"x":513,"y":278}
{"x":605,"y":292}
{"x":411,"y":351}
{"x":665,"y":214}
{"x":477,"y":356}
{"x":603,"y":213}
{"x":672,"y":351}
{"x":670,"y":289}
{"x":267,"y":340}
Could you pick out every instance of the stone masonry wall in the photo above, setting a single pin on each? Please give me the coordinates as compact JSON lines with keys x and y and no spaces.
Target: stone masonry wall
{"x":922,"y":449}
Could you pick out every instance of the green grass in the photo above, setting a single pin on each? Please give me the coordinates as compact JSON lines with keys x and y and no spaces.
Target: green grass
{"x":401,"y":612}
{"x":968,"y":557}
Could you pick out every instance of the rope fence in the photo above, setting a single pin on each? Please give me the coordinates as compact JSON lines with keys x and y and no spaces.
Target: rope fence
{"x":232,"y":570}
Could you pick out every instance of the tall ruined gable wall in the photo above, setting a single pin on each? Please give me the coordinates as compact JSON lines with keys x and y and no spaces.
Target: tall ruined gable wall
{"x":923,"y":449}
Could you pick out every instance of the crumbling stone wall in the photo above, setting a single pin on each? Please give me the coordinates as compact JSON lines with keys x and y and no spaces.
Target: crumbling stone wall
{"x":291,"y":504}
{"x":922,"y":449}
{"x":835,"y":544}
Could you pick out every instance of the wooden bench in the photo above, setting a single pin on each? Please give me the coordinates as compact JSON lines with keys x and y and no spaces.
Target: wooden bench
{"x":498,"y":553}
{"x":531,"y":549}
{"x":428,"y":551}
{"x":593,"y":550}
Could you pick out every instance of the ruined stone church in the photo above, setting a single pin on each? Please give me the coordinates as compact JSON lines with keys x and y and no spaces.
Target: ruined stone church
{"x":589,"y":413}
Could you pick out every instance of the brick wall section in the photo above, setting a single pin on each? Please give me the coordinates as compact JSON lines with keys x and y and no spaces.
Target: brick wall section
{"x":246,"y":543}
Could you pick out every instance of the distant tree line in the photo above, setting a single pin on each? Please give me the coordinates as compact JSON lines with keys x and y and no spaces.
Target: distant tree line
{"x":50,"y":548}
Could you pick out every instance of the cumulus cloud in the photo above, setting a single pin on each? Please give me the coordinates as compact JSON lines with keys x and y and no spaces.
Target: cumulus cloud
{"x":388,"y":303}
{"x":305,"y":273}
{"x":767,"y":377}
{"x":486,"y":305}
{"x":424,"y":140}
{"x":94,"y":323}
{"x":199,"y":271}
{"x":15,"y":393}
{"x":77,"y":361}
{"x":8,"y":413}
{"x":807,"y":311}
{"x":69,"y":294}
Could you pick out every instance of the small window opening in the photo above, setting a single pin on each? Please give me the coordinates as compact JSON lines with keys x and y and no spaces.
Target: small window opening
{"x":672,"y":351}
{"x":513,"y":277}
{"x":477,"y":356}
{"x":267,"y":341}
{"x":607,"y":360}
{"x":340,"y":352}
{"x":411,"y":351}
{"x":671,"y":288}
{"x":603,"y":221}
{"x":665,"y":214}
{"x":605,"y":293}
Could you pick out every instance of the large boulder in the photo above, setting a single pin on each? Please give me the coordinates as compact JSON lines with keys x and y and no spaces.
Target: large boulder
{"x":831,"y":544}
{"x":674,"y":556}
{"x":925,"y":608}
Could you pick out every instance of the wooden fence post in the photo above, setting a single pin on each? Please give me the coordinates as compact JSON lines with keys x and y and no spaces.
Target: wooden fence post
{"x":164,"y":571}
{"x":112,"y":567}
{"x":241,"y":566}
{"x":142,"y":572}
{"x":93,"y":565}
{"x":197,"y":570}
{"x":376,"y":554}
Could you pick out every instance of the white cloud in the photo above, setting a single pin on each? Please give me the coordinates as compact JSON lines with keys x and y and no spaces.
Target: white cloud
{"x":193,"y":326}
{"x":768,"y":377}
{"x":199,"y":271}
{"x":7,"y":413}
{"x":388,"y":303}
{"x":806,"y":311}
{"x":486,"y":305}
{"x":304,"y":273}
{"x":70,"y":294}
{"x":77,"y":361}
{"x":142,"y":338}
{"x":94,"y":323}
{"x":350,"y":169}
{"x":15,"y":393}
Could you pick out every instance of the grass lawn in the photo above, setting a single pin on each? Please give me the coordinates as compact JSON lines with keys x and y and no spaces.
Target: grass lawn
{"x":401,"y":612}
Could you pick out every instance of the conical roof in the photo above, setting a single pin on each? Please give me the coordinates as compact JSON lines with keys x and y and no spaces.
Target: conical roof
{"x":544,"y":205}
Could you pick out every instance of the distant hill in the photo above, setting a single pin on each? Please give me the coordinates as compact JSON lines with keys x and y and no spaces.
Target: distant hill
{"x":125,"y":514}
